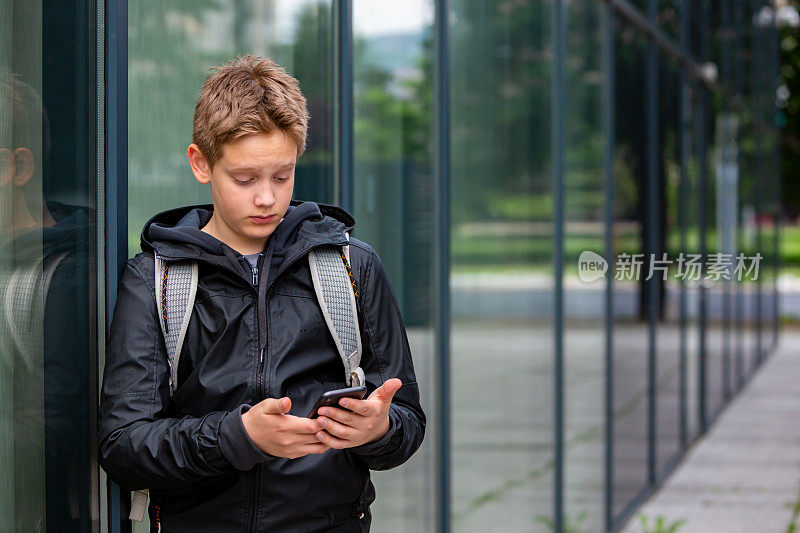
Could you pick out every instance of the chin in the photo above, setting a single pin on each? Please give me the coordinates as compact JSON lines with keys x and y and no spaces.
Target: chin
{"x":259,"y":232}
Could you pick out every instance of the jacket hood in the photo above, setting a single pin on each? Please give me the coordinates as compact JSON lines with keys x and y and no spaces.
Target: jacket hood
{"x":177,"y":231}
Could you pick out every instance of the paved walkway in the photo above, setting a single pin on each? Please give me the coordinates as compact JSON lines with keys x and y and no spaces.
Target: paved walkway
{"x":744,"y":474}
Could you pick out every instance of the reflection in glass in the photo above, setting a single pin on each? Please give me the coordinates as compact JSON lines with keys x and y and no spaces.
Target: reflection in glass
{"x":395,"y":209}
{"x":502,"y":334}
{"x":630,"y":329}
{"x":584,"y":302}
{"x":47,"y":275}
{"x":670,"y":331}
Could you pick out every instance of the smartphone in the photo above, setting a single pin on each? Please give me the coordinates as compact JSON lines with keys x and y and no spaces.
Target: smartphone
{"x":332,"y":398}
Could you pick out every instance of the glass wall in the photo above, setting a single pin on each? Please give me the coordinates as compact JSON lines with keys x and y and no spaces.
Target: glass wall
{"x":584,"y":298}
{"x":630,"y":329}
{"x":502,"y":276}
{"x":396,"y":209}
{"x":569,"y":398}
{"x":695,"y":180}
{"x":48,"y":267}
{"x":670,"y":331}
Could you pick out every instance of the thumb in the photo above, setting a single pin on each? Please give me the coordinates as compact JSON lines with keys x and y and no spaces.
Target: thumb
{"x":277,"y":406}
{"x":385,"y":392}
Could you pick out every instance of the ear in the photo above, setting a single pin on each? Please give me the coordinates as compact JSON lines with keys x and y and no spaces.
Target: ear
{"x":24,"y":164}
{"x":199,"y":164}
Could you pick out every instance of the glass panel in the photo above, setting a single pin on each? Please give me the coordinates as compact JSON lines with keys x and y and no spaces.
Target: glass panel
{"x":690,"y":213}
{"x":631,"y":341}
{"x":172,"y":45}
{"x":752,"y":176}
{"x":584,"y":289}
{"x":396,"y":199}
{"x":48,"y":270}
{"x":716,"y":332}
{"x":670,"y":332}
{"x":502,"y":333}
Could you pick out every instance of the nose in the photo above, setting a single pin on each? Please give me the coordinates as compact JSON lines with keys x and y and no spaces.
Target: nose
{"x":264,"y":196}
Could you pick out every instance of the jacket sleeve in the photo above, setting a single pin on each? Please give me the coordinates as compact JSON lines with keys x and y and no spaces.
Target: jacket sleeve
{"x":385,"y":355}
{"x":140,"y":446}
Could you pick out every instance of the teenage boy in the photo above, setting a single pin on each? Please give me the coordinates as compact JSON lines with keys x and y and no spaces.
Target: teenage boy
{"x":232,"y":449}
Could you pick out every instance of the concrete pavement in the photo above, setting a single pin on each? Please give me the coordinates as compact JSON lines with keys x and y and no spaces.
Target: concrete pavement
{"x":744,"y":474}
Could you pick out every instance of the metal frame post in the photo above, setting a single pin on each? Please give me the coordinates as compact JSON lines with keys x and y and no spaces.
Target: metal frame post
{"x":442,"y":169}
{"x":116,"y":197}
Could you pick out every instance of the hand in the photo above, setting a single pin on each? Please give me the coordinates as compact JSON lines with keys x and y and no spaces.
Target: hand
{"x":368,"y":421}
{"x":279,"y":434}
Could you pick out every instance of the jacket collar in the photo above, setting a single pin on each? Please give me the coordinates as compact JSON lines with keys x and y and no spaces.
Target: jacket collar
{"x":329,"y":229}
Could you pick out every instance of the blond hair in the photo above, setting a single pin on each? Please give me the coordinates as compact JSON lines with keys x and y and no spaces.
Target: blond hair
{"x":248,"y":95}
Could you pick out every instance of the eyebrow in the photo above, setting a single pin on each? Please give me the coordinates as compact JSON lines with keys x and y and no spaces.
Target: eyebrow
{"x":247,"y":168}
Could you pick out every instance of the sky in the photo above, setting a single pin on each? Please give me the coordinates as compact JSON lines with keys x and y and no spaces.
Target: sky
{"x":373,"y":17}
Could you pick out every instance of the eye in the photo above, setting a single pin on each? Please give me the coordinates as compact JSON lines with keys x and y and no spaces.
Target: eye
{"x":243,"y":181}
{"x":280,"y":178}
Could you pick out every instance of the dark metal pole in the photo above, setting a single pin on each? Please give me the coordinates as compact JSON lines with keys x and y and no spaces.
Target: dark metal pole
{"x":702,"y":106}
{"x":116,"y":200}
{"x":683,"y":200}
{"x":652,"y":214}
{"x":609,"y":133}
{"x":343,"y":110}
{"x":442,"y":96}
{"x":721,"y":230}
{"x":758,"y":62}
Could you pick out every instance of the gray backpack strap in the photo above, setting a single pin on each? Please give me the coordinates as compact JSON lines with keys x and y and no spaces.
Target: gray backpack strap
{"x":176,"y":287}
{"x":337,"y":300}
{"x":25,"y":299}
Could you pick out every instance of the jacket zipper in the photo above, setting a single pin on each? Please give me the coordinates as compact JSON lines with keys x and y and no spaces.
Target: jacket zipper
{"x":260,"y":384}
{"x":256,"y":481}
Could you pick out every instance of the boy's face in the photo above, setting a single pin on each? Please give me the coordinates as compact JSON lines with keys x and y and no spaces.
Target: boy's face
{"x":251,"y":187}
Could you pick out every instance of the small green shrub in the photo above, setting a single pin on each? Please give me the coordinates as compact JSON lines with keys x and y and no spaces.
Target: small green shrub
{"x":660,"y":524}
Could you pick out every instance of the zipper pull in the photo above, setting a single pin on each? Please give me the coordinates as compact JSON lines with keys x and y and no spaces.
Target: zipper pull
{"x":255,"y":270}
{"x":261,"y":356}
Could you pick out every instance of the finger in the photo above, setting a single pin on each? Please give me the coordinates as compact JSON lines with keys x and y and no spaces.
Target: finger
{"x":336,"y":429}
{"x":343,"y":416}
{"x":277,"y":406}
{"x":385,"y":392}
{"x":303,"y":425}
{"x":331,"y":441}
{"x":360,"y":407}
{"x":316,"y":447}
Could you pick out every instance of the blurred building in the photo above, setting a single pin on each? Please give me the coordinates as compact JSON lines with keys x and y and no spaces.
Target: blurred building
{"x":483,"y":147}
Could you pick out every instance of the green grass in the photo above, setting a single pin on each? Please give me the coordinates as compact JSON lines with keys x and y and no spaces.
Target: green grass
{"x":519,"y":253}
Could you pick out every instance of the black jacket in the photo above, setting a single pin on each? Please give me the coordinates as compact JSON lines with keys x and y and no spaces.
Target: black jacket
{"x":192,"y":452}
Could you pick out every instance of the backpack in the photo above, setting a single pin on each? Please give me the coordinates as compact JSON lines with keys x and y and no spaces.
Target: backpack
{"x":334,"y":285}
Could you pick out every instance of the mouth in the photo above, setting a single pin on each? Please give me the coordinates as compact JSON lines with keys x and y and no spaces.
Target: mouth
{"x":262,"y":220}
